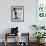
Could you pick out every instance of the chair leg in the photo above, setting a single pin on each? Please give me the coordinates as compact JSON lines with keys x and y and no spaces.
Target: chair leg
{"x":5,"y":43}
{"x":5,"y":40}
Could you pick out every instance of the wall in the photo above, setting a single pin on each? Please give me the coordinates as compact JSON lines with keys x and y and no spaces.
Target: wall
{"x":29,"y":15}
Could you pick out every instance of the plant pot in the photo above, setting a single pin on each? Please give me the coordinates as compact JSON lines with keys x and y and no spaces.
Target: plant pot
{"x":40,"y":41}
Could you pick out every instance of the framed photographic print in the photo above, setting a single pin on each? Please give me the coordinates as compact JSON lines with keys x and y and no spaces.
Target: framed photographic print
{"x":17,"y":13}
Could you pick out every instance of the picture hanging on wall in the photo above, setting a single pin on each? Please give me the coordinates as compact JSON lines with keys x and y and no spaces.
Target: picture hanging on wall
{"x":41,"y":12}
{"x":17,"y":13}
{"x":41,"y":8}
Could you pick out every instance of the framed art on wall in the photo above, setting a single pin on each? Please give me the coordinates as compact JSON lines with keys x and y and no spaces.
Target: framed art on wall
{"x":41,"y":8}
{"x":41,"y":12}
{"x":17,"y":13}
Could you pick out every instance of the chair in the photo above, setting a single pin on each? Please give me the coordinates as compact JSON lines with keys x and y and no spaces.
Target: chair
{"x":7,"y":35}
{"x":14,"y":32}
{"x":25,"y":37}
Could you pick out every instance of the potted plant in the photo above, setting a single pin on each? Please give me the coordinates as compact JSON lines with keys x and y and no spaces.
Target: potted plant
{"x":39,"y":35}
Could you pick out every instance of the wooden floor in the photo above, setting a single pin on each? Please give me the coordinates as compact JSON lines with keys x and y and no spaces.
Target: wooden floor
{"x":13,"y":44}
